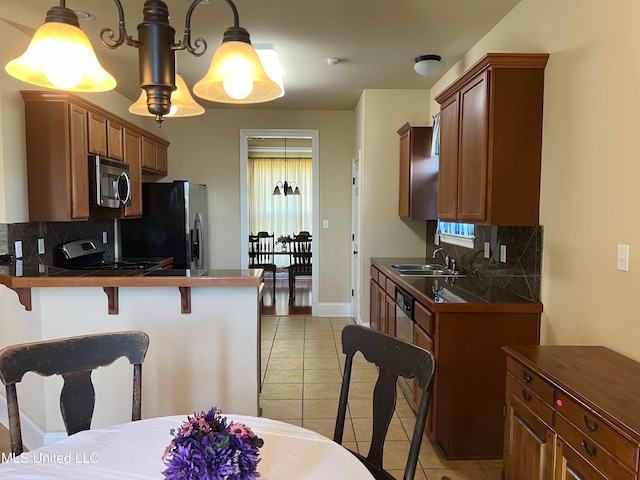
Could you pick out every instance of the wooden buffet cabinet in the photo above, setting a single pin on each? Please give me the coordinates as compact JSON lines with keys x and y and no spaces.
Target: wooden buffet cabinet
{"x":466,"y":415}
{"x":62,"y":129}
{"x":418,"y":190}
{"x":491,"y":142}
{"x":572,"y":412}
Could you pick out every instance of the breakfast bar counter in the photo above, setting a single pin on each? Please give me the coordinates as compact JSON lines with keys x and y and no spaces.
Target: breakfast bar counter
{"x":203,"y":325}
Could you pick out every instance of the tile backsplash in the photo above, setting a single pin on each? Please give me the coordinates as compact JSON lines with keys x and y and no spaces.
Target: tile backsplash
{"x":521,"y":272}
{"x":54,"y":234}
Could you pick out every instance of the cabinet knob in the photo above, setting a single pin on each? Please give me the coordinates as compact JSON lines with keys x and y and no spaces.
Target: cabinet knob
{"x":591,"y":450}
{"x":590,"y":424}
{"x":526,"y":377}
{"x":526,"y":395}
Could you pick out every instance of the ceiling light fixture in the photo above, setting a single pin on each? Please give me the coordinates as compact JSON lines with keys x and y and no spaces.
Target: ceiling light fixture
{"x":182,"y":103}
{"x":235,"y":76}
{"x":427,"y":65}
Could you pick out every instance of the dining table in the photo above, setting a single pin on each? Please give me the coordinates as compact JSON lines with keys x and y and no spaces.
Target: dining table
{"x":134,"y":451}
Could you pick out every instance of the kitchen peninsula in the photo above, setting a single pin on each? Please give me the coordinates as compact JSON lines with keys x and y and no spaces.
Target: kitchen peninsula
{"x":204,"y":329}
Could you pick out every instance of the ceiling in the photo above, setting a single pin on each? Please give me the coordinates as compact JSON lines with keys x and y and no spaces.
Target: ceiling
{"x":376,"y":41}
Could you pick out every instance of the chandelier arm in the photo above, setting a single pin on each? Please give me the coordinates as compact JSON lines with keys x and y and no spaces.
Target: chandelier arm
{"x":107,"y":35}
{"x":200,"y":45}
{"x":236,"y":21}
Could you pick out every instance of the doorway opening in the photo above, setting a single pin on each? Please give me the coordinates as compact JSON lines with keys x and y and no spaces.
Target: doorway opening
{"x":275,"y":162}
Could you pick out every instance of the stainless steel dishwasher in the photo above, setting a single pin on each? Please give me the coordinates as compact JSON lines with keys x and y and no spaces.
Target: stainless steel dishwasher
{"x":404,"y":331}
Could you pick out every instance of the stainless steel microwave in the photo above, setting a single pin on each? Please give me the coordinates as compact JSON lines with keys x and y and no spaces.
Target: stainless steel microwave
{"x":109,"y":182}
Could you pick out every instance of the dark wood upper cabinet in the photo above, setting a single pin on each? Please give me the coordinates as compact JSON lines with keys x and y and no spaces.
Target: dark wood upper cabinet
{"x":418,"y":192}
{"x":491,"y":142}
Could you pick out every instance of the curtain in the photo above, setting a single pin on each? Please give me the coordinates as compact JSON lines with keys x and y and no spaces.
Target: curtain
{"x":280,"y":214}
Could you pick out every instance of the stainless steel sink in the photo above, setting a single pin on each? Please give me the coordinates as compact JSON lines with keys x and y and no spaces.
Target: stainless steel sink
{"x":423,"y":270}
{"x":419,"y":266}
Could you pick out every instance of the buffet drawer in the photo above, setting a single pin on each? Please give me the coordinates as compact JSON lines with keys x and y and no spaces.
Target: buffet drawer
{"x":531,"y":381}
{"x":543,"y":410}
{"x":597,"y":430}
{"x":591,"y":451}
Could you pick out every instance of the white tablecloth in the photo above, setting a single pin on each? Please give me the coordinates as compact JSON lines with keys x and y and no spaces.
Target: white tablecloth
{"x":133,"y":451}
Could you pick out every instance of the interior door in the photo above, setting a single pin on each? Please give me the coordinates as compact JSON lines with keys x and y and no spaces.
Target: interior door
{"x":355,"y":238}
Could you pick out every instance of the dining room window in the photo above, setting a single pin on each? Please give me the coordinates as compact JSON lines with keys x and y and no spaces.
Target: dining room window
{"x":280,"y":214}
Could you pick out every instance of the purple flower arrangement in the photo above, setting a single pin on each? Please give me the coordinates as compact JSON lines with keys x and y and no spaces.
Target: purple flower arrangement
{"x":207,"y":447}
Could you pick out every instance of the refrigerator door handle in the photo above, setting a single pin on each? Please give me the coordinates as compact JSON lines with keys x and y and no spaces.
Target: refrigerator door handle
{"x":197,"y":241}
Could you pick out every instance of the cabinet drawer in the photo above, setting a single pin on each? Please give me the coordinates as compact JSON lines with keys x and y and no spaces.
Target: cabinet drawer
{"x":591,"y":451}
{"x":425,"y":318}
{"x":390,"y":288}
{"x":530,"y":380}
{"x":543,"y":410}
{"x":374,"y":272}
{"x":597,"y":430}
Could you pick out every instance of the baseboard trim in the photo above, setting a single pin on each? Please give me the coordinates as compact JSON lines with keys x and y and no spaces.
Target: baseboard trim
{"x":32,"y":435}
{"x":334,"y":310}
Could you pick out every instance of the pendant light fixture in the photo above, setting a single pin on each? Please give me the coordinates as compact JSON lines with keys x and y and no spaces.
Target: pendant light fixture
{"x":182,"y":103}
{"x":235,"y":75}
{"x":60,"y":56}
{"x":286,"y":187}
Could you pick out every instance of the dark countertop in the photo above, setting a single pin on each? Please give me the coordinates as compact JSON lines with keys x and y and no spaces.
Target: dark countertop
{"x":454,"y":293}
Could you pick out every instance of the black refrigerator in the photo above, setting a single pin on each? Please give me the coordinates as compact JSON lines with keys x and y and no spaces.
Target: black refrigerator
{"x":173,"y":224}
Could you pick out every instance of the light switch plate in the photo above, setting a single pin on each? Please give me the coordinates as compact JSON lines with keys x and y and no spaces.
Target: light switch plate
{"x":623,"y":258}
{"x":40,"y":246}
{"x":18,"y":248}
{"x":503,"y":253}
{"x":487,"y":249}
{"x":325,"y":224}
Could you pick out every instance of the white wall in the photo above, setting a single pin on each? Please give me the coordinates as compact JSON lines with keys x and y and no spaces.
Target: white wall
{"x":590,"y":168}
{"x":379,"y":115}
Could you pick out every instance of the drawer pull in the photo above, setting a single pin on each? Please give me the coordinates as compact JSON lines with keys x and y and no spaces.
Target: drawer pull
{"x":591,"y":450}
{"x":526,"y":377}
{"x":591,"y":425}
{"x":526,"y":395}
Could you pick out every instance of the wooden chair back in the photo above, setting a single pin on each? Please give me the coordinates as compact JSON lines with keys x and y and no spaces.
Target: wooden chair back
{"x":261,"y":249}
{"x":74,"y":358}
{"x":301,"y":253}
{"x":394,"y":358}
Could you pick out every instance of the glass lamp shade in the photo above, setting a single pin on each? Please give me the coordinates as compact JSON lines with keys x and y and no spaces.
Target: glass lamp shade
{"x":61,"y":57}
{"x":236,"y":76}
{"x":182,"y":103}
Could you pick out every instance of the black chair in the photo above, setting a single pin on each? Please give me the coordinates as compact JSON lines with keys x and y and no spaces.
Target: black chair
{"x":74,"y":358}
{"x":394,"y":358}
{"x":300,"y":249}
{"x":261,"y":255}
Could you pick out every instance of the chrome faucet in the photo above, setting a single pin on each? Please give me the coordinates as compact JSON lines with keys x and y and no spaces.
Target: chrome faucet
{"x":445,"y":260}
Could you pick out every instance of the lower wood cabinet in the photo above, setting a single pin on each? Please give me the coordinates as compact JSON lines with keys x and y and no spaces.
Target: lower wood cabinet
{"x":572,"y":412}
{"x":382,"y":304}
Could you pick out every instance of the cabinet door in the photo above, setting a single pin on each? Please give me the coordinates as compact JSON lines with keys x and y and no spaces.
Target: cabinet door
{"x":390,"y":305}
{"x":472,"y":159}
{"x":97,"y":125}
{"x":374,"y":305}
{"x":571,"y":466}
{"x":79,"y":165}
{"x":404,"y":199}
{"x":148,"y":154}
{"x":528,"y":444}
{"x":448,"y":170}
{"x":421,"y":339}
{"x":115,"y":147}
{"x":162,"y":163}
{"x":133,"y":156}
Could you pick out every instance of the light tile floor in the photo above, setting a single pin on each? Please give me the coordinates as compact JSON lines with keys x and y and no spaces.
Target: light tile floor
{"x":302,"y":363}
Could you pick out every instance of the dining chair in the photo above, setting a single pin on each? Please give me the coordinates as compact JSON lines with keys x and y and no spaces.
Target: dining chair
{"x":261,"y":255}
{"x":300,"y":260}
{"x":394,"y":358}
{"x":74,"y":358}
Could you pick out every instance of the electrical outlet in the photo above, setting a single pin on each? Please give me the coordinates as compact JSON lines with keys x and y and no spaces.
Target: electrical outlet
{"x":104,"y":237}
{"x":18,"y":248}
{"x":503,"y":253}
{"x":487,"y":249}
{"x":40,"y":246}
{"x":623,"y":258}
{"x":436,"y":239}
